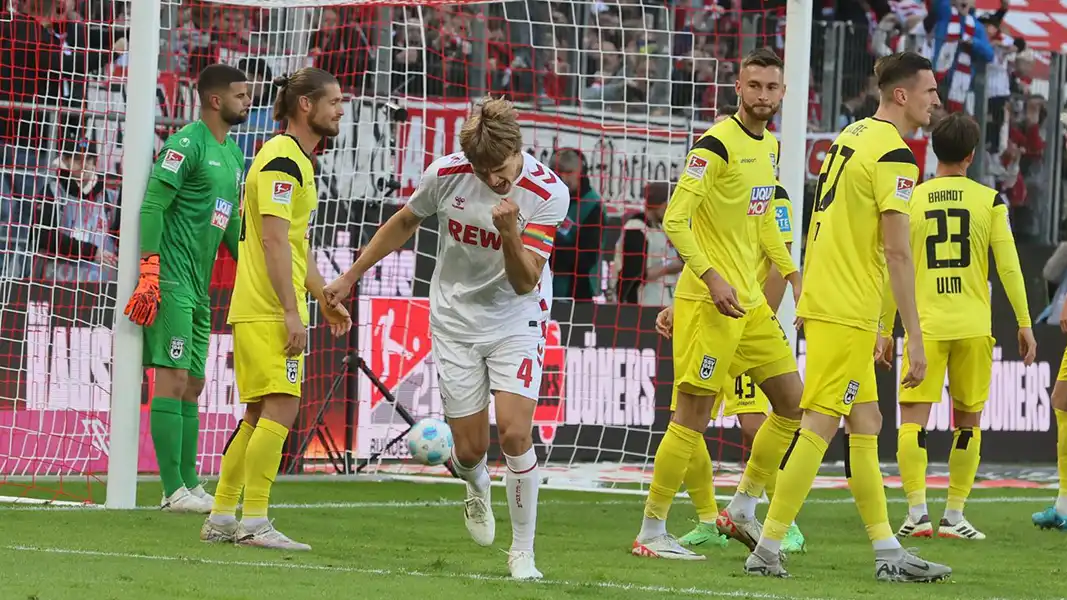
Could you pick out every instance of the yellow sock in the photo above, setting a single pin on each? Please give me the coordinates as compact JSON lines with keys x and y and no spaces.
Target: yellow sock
{"x":868,"y":489}
{"x":1061,"y":449}
{"x":261,"y":466}
{"x":963,"y":465}
{"x":768,"y":448}
{"x":771,"y":483}
{"x":232,"y":471}
{"x":912,"y":460}
{"x":800,"y":465}
{"x":700,"y":483}
{"x":668,"y":470}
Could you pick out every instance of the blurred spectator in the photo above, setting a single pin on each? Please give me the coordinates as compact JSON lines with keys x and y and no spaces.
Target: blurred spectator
{"x":342,"y":48}
{"x":646,"y":267}
{"x":77,"y":219}
{"x":576,"y":258}
{"x":260,"y":125}
{"x":900,"y":29}
{"x":959,"y":41}
{"x":861,"y":100}
{"x":192,"y":43}
{"x":409,"y":66}
{"x":998,"y":78}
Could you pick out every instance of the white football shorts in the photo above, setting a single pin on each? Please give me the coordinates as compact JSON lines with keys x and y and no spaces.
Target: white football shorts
{"x":467,"y":373}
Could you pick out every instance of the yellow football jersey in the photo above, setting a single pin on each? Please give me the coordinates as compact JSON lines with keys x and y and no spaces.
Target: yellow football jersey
{"x":868,"y":170}
{"x":954,"y":223}
{"x":280,"y":183}
{"x":782,"y":210}
{"x":721,"y":209}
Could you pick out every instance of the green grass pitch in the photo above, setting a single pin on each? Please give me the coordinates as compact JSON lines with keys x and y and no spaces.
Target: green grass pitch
{"x":405,"y":541}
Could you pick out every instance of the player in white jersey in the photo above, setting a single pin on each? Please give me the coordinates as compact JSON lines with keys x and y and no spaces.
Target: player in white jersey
{"x":497,"y":210}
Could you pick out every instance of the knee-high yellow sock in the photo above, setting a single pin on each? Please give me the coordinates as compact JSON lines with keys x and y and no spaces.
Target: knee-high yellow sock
{"x":768,"y":448}
{"x":1061,"y":449}
{"x":700,"y":483}
{"x":962,"y":468}
{"x":800,"y":465}
{"x":668,"y":470}
{"x":912,"y":460}
{"x":232,"y":471}
{"x":261,"y":466}
{"x":772,"y":481}
{"x":868,"y":489}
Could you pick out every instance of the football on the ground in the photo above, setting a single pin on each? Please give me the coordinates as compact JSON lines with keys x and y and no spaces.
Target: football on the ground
{"x":430,"y":442}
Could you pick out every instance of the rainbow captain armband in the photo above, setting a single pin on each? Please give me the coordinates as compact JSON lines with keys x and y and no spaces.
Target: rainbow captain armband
{"x":539,"y":238}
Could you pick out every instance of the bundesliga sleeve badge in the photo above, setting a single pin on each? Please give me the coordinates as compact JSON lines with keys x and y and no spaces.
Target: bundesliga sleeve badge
{"x":696,"y":167}
{"x":905,"y":185}
{"x":282,"y":192}
{"x":172,"y":161}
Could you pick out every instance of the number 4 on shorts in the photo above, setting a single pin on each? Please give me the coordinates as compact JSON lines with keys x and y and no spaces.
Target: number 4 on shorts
{"x":525,"y":374}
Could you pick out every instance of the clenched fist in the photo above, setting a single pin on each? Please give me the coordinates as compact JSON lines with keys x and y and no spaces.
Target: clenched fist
{"x":506,"y":217}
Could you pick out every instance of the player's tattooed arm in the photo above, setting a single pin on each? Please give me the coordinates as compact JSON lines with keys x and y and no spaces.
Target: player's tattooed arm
{"x":523,"y":267}
{"x":388,"y":239}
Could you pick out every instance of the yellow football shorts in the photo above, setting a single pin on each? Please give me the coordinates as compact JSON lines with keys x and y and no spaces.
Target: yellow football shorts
{"x":840,"y":368}
{"x":742,"y":398}
{"x":711,"y":349}
{"x":260,"y":364}
{"x":969,"y":365}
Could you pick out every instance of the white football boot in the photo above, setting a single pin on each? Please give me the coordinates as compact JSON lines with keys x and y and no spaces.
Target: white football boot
{"x":183,"y":501}
{"x":664,"y":546}
{"x":218,"y":533}
{"x":961,"y":530}
{"x":916,"y":528}
{"x":266,"y":536}
{"x":478,"y":516}
{"x":204,"y":497}
{"x":521,"y":565}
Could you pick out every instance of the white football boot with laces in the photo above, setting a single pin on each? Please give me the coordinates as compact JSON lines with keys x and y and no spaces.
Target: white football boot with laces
{"x":916,"y":528}
{"x":214,"y":533}
{"x":664,"y":546}
{"x":961,"y":530}
{"x":478,"y":516}
{"x":204,"y":497}
{"x":266,"y":536}
{"x":183,"y":501}
{"x":521,"y":565}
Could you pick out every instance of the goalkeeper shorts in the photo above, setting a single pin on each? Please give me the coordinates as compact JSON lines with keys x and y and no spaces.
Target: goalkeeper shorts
{"x":180,"y":335}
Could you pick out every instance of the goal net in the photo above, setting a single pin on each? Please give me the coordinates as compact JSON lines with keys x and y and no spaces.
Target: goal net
{"x":610,"y":94}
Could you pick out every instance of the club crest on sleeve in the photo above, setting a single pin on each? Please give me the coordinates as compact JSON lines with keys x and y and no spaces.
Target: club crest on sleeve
{"x":292,"y":369}
{"x":781,"y":215}
{"x":707,"y":367}
{"x":696,"y":167}
{"x":177,"y":348}
{"x":282,"y":192}
{"x":851,"y":391}
{"x":458,"y":202}
{"x":905,"y":185}
{"x":172,"y":161}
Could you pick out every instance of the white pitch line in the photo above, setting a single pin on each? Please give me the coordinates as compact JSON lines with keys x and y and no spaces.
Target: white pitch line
{"x":443,"y":503}
{"x":607,"y":585}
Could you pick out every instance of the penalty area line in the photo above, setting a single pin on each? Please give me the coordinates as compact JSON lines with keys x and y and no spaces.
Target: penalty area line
{"x":384,"y":572}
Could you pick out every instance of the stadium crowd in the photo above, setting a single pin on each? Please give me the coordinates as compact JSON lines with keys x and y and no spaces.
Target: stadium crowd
{"x":634,"y":58}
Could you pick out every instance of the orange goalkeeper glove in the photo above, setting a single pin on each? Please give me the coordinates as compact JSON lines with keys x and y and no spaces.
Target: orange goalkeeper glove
{"x":144,"y":303}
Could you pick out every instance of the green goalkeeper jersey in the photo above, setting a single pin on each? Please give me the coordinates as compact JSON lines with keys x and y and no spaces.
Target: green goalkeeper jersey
{"x":199,"y":201}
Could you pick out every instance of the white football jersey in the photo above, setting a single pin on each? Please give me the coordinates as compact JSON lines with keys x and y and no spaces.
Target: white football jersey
{"x":470,"y":297}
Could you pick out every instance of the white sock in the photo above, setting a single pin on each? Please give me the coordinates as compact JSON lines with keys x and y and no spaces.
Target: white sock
{"x":953,"y":516}
{"x":652,"y":529}
{"x":1061,"y":505}
{"x":254,"y":523}
{"x":769,"y":548}
{"x":743,"y":506}
{"x":522,"y":481}
{"x":477,"y":476}
{"x":223,"y":519}
{"x":890,"y":543}
{"x":918,"y":511}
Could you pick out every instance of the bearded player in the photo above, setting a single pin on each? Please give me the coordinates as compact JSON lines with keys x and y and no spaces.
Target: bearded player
{"x":190,"y":206}
{"x":859,"y":228}
{"x":269,"y":311}
{"x":744,"y":399}
{"x":955,"y":222}
{"x":724,"y":326}
{"x":498,"y":210}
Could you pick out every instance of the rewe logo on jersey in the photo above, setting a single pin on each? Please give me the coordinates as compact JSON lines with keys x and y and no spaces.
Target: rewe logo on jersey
{"x":473,"y":236}
{"x":401,"y":340}
{"x":760,"y":198}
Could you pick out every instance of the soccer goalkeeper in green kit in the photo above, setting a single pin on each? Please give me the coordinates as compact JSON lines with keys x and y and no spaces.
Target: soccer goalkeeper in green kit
{"x":192,"y":204}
